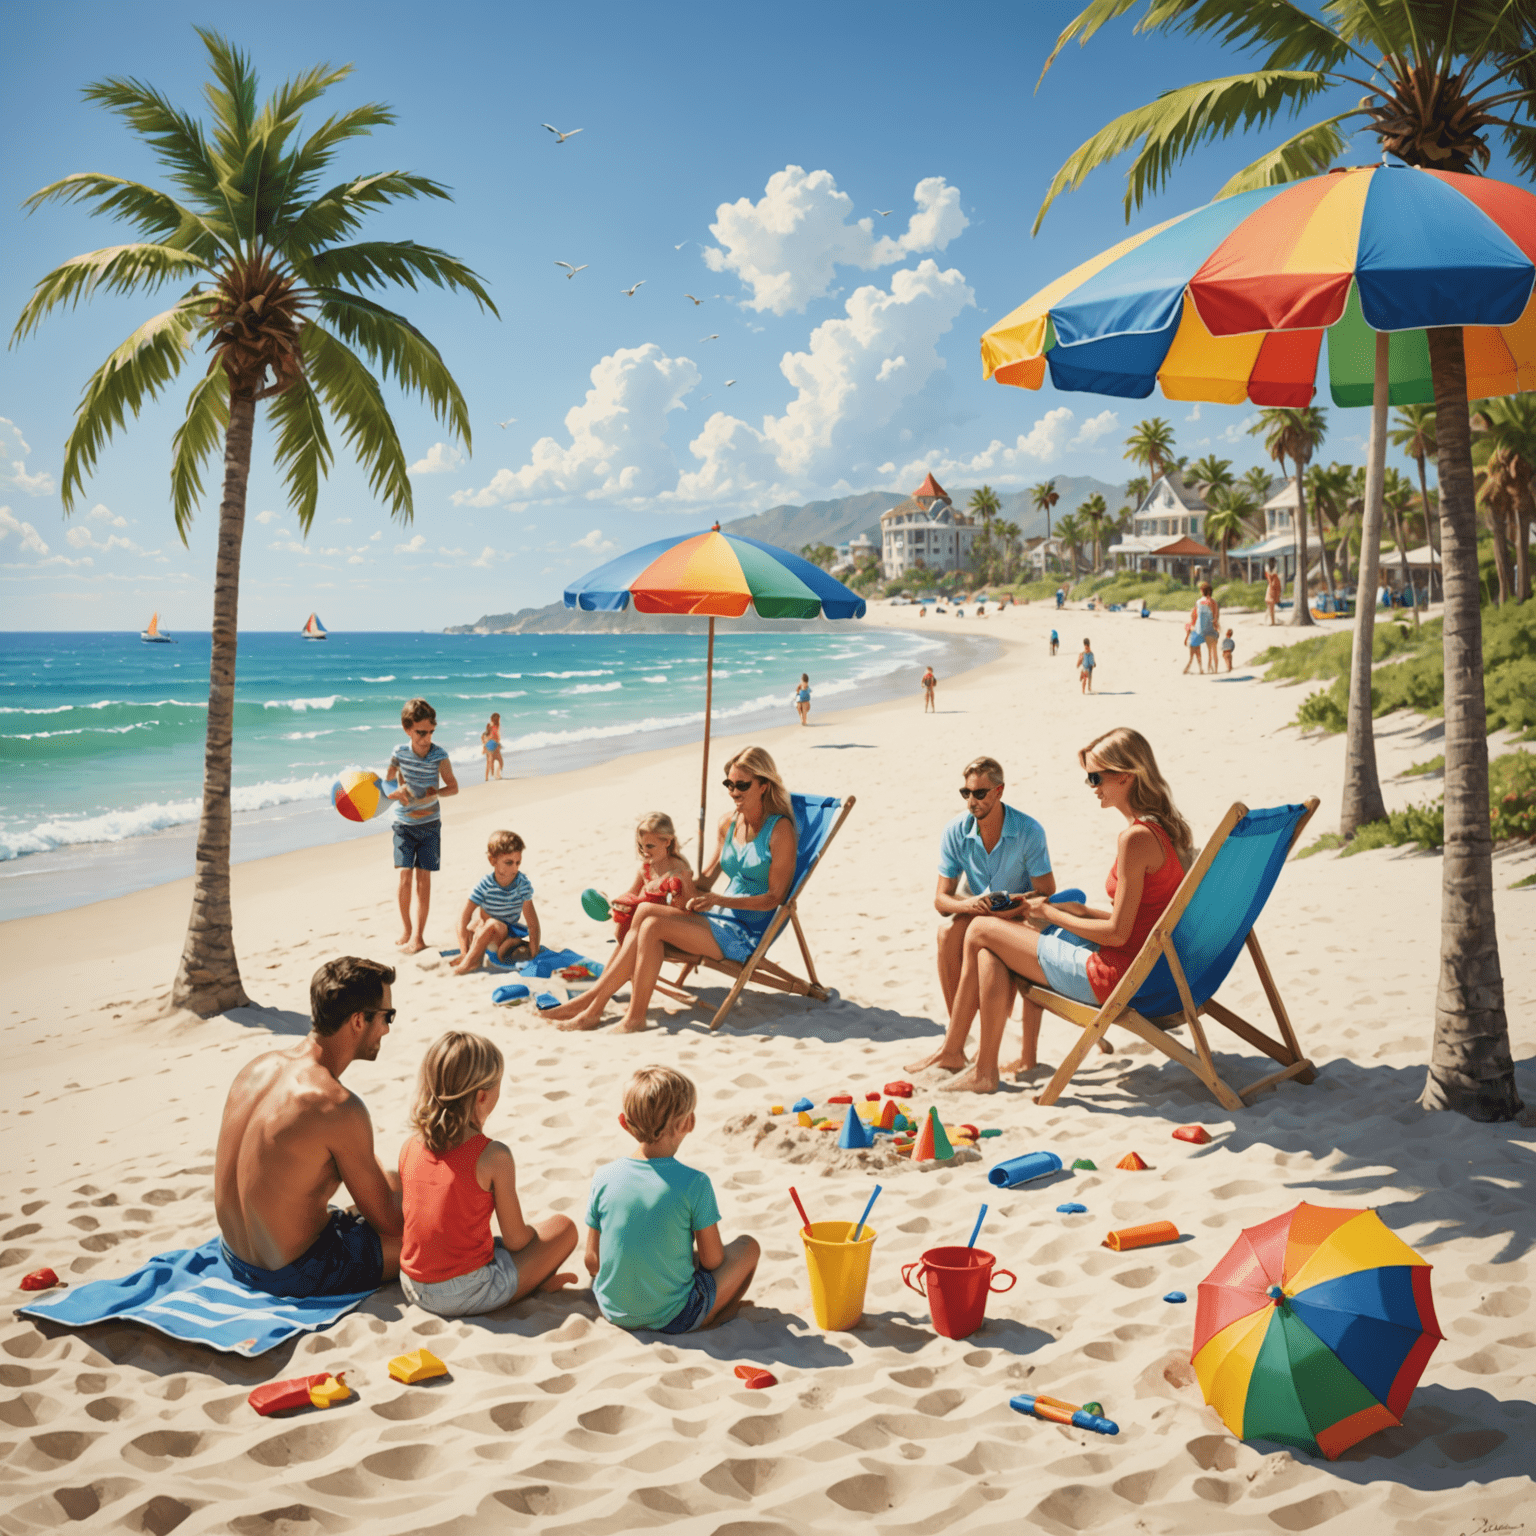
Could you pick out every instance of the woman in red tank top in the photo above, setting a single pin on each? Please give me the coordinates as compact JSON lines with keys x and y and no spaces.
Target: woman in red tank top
{"x":1076,"y":950}
{"x":453,"y":1179}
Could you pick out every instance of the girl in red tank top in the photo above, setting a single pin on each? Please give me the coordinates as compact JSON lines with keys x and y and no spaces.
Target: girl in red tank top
{"x":453,"y":1179}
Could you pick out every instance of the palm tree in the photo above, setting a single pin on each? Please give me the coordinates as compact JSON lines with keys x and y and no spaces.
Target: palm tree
{"x":1151,"y":444}
{"x":1231,"y":506}
{"x":985,"y":504}
{"x":278,"y":296}
{"x":1328,"y":487}
{"x":1508,"y":426}
{"x":1096,"y":510}
{"x":823,"y":555}
{"x":1293,"y":432}
{"x":1441,"y":73}
{"x":1070,"y":531}
{"x":1008,"y":540}
{"x":1209,"y":474}
{"x":1136,"y":489}
{"x":1415,"y":435}
{"x":1498,"y":488}
{"x":1258,"y":481}
{"x":1396,"y":495}
{"x":1043,"y":497}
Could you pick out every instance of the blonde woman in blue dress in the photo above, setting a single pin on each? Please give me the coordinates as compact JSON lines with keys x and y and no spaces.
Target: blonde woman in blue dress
{"x":755,"y":851}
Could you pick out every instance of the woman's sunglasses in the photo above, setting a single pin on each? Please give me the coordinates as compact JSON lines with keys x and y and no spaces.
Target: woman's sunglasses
{"x":1097,"y":776}
{"x":741,"y":786}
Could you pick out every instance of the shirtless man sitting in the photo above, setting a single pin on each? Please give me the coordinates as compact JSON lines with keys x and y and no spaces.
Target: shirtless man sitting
{"x":292,"y":1135}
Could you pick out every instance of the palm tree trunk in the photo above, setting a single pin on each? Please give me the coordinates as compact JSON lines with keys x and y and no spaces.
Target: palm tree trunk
{"x":1429,"y":518}
{"x":1497,"y":521}
{"x":1322,"y":545}
{"x":1362,"y":785}
{"x":208,"y":978}
{"x":1470,"y":1067}
{"x":1402,"y":561}
{"x":1301,"y":606}
{"x":1524,"y":508}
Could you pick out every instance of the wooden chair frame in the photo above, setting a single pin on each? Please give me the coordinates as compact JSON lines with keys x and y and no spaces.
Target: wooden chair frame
{"x":757,"y":966}
{"x":1095,"y":1022}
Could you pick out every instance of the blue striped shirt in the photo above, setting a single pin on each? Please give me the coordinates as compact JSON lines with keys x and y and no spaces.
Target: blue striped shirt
{"x":502,"y":901}
{"x":420,"y":777}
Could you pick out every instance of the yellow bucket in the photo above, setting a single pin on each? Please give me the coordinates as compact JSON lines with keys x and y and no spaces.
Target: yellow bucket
{"x":839,"y":1271}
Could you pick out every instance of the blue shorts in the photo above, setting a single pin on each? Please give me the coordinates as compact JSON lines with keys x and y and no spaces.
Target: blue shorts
{"x":345,"y":1259}
{"x":736,"y":939}
{"x":1064,"y":959}
{"x":701,"y":1297}
{"x":418,"y":844}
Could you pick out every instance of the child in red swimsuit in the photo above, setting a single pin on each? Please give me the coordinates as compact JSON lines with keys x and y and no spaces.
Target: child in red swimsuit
{"x":665,"y":876}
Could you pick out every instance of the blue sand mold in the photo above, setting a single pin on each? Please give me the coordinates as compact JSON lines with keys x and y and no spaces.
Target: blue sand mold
{"x":801,"y":1105}
{"x":1072,"y":1208}
{"x":1175,"y":1296}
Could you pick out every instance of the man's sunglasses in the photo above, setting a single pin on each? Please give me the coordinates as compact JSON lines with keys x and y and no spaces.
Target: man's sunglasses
{"x":741,"y":786}
{"x":978,"y":794}
{"x":387,"y":1013}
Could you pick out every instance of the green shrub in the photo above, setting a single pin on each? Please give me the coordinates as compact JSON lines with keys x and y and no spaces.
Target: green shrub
{"x":1327,"y":709}
{"x":1512,"y":795}
{"x":1325,"y":844}
{"x":1421,"y":824}
{"x":1431,"y":765}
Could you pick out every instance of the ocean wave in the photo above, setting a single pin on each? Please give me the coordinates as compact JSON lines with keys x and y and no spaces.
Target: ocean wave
{"x":595,"y":687}
{"x":388,"y":677}
{"x":661,"y":677}
{"x":61,"y":709}
{"x":300,"y":705}
{"x":510,"y":693}
{"x":512,"y":675}
{"x":82,"y":730}
{"x":600,"y":672}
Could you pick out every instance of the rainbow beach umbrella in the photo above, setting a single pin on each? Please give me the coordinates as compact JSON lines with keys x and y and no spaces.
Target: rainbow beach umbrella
{"x":719,"y":575}
{"x":1314,"y":1329}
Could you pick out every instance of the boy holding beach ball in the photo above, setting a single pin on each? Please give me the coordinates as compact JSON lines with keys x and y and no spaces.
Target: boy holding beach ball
{"x":426,"y":775}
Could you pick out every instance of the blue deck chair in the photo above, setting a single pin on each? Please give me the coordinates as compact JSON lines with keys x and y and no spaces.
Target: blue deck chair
{"x":1189,"y":954}
{"x":818,"y":819}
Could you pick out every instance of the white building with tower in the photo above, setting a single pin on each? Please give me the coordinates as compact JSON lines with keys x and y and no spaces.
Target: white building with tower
{"x":926,"y":531}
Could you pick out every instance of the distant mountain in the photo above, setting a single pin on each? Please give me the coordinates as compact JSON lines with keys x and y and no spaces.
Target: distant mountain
{"x":817,"y":522}
{"x":554,"y":618}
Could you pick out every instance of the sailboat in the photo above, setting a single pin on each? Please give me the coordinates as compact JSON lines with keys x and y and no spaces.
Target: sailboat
{"x":313,"y":628}
{"x":152,"y":635}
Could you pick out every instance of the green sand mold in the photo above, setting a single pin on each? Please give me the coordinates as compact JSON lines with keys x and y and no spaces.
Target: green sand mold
{"x":1086,"y":1164}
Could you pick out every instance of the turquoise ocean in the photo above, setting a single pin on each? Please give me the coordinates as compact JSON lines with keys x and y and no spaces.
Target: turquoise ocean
{"x":101,"y":735}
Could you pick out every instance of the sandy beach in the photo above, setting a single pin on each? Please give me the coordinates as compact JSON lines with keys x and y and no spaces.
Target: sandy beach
{"x":552,"y":1420}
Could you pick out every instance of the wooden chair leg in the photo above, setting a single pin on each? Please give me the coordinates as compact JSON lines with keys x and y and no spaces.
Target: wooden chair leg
{"x":1086,"y":1041}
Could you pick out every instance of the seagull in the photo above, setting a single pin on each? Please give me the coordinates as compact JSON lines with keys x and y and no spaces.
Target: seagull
{"x":680,"y":244}
{"x":629,"y":293}
{"x":729,"y":382}
{"x":507,"y":423}
{"x":690,"y":296}
{"x":560,"y":138}
{"x":715,"y":337}
{"x":709,"y":396}
{"x":884,"y":213}
{"x":571,"y":271}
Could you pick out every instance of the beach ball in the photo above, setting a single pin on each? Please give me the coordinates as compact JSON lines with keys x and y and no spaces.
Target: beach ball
{"x":359,"y":795}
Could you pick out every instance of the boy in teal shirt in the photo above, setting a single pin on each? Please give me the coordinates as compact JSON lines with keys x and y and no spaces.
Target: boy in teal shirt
{"x":646,"y":1216}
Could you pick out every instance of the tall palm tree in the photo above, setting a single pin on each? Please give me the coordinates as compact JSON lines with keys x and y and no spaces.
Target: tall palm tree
{"x":1208,"y":474}
{"x":1508,"y":424}
{"x":1151,"y":444}
{"x":985,"y":504}
{"x":1414,"y":433}
{"x":1499,"y":484}
{"x":1071,"y":532}
{"x":1437,"y":74}
{"x":1008,"y":544}
{"x":1136,"y":489}
{"x":1231,"y":508}
{"x":1258,"y":481}
{"x":278,"y":296}
{"x":1095,"y":509}
{"x":1293,"y":432}
{"x":1043,"y":497}
{"x":1396,"y":496}
{"x":1328,"y":487}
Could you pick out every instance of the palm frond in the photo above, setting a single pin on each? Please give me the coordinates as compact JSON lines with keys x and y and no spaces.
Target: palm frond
{"x":316,"y":152}
{"x":175,"y":137}
{"x":352,"y":395}
{"x":232,"y":95}
{"x":1178,"y":122}
{"x":302,"y":450}
{"x":1082,"y":26}
{"x":136,"y":372}
{"x":376,"y":263}
{"x":201,"y":431}
{"x":394,"y":346}
{"x":117,"y":268}
{"x":339,"y":211}
{"x":1308,"y":153}
{"x":156,"y":214}
{"x":280,"y":116}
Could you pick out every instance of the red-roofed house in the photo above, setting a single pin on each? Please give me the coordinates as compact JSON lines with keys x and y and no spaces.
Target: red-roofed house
{"x":926,"y":531}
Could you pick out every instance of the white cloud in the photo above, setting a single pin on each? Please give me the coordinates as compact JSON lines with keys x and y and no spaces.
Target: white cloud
{"x":787,"y":246}
{"x":1194,"y":414}
{"x":13,"y":462}
{"x":1095,"y":428}
{"x":31,"y":539}
{"x":440,"y":459}
{"x":1237,"y":431}
{"x":999,"y":460}
{"x":443,"y":549}
{"x":618,"y":448}
{"x":375,"y":536}
{"x":414,"y":547}
{"x":81,"y":537}
{"x":594,"y":541}
{"x":267,"y":517}
{"x":356,"y":560}
{"x":286,"y":544}
{"x":485,"y":558}
{"x":104,"y":514}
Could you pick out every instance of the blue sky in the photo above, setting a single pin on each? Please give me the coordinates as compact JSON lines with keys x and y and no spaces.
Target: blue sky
{"x":851,"y":333}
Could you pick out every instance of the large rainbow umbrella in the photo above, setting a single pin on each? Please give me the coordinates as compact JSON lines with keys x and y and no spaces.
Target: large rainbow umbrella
{"x":719,"y":575}
{"x":1314,"y":1329}
{"x":1230,"y":302}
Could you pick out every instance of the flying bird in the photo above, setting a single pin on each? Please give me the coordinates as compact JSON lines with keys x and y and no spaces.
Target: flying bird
{"x":729,"y":382}
{"x":560,"y":138}
{"x":885,"y":213}
{"x":629,"y":293}
{"x":715,"y":337}
{"x":690,"y":296}
{"x":571,"y":271}
{"x":507,"y":423}
{"x":680,"y":244}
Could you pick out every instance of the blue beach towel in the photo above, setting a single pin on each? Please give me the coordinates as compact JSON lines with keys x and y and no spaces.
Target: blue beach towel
{"x":191,"y":1294}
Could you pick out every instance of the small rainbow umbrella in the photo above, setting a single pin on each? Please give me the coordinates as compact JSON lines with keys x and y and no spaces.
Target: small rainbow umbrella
{"x":1314,"y":1329}
{"x":718,"y":575}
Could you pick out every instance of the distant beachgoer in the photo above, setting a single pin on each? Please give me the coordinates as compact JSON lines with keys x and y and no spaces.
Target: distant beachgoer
{"x":453,"y":1179}
{"x":930,"y":682}
{"x":1209,"y":624}
{"x":501,"y":899}
{"x":292,"y":1135}
{"x":1061,"y":597}
{"x":1271,"y":592}
{"x":490,"y":744}
{"x":417,"y":821}
{"x":1200,"y":630}
{"x":803,"y":699}
{"x":1146,"y":612}
{"x":1228,"y":646}
{"x":661,"y":864}
{"x":1086,"y":662}
{"x":755,"y":851}
{"x":1055,"y":642}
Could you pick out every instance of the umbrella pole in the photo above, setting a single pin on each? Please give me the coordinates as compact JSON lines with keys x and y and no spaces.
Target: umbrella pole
{"x":709,"y":691}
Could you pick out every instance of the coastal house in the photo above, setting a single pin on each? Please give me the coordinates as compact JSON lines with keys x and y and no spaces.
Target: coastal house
{"x":1279,"y":541}
{"x":1166,"y":530}
{"x":855,"y":550}
{"x":927,"y":532}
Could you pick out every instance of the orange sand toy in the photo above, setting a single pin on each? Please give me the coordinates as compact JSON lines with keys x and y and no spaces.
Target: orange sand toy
{"x":330,"y":1391}
{"x":1195,"y":1133}
{"x":1149,"y":1236}
{"x":802,"y":1118}
{"x":887,"y":1119}
{"x":1133,"y":1161}
{"x":418,"y":1365}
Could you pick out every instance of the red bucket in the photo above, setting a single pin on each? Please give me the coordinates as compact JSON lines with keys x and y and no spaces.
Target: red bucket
{"x":956,"y":1283}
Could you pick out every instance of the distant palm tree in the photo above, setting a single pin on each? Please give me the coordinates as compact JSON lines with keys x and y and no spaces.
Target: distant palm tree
{"x":1071,"y":532}
{"x":1328,"y":486}
{"x":1045,"y":496}
{"x":819,"y":554}
{"x":1414,"y":433}
{"x":277,"y":297}
{"x":1136,"y":491}
{"x":1208,"y":473}
{"x":1231,"y":506}
{"x":1258,"y":481}
{"x":1151,"y":444}
{"x":1508,"y":425}
{"x":1396,"y":495}
{"x":1007,"y":534}
{"x":985,"y":504}
{"x":1293,"y":432}
{"x":1095,"y":510}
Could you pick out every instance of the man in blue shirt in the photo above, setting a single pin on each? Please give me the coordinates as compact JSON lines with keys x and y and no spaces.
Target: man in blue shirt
{"x":997,"y":849}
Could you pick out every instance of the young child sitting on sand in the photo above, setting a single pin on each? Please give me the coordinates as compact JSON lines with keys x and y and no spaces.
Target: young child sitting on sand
{"x":653,"y":1228}
{"x":453,"y":1178}
{"x":502,"y":898}
{"x":665,"y":876}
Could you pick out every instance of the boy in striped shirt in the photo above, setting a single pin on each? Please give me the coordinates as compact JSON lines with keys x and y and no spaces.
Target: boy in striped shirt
{"x":502,"y":898}
{"x":418,"y":821}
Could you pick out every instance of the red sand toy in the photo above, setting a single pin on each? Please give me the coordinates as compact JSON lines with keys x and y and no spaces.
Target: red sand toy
{"x":898,"y":1090}
{"x":39,"y":1280}
{"x":1194,"y":1133}
{"x":756,"y":1378}
{"x":298,"y":1392}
